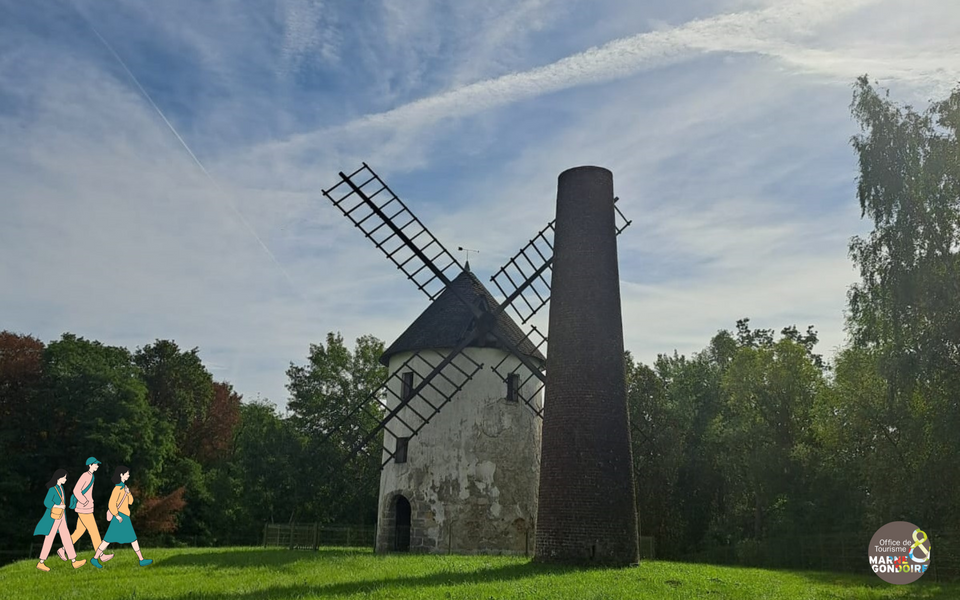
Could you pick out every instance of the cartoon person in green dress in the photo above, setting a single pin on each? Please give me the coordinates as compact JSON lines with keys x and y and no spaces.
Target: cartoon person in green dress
{"x":120,"y":530}
{"x":54,"y":522}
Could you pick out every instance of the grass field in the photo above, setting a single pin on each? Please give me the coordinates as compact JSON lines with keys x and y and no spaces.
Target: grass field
{"x":276,"y":574}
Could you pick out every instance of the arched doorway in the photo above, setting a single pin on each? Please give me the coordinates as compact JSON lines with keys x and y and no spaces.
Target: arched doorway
{"x":401,"y":537}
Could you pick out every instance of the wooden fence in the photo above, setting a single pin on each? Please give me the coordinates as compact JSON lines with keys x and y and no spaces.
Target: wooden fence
{"x":647,"y":548}
{"x":313,"y":535}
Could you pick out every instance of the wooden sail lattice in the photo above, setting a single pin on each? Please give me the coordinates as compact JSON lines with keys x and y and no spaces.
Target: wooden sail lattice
{"x":402,"y":410}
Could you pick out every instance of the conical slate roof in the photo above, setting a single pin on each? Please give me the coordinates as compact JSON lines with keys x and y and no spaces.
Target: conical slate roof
{"x":446,"y":322}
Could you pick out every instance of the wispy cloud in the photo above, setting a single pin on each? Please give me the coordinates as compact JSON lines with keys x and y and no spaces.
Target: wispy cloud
{"x":310,"y":33}
{"x":742,"y":203}
{"x":730,"y":154}
{"x":503,"y":32}
{"x":766,"y":31}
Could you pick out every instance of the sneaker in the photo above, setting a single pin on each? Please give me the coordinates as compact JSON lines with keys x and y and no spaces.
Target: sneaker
{"x":62,"y":555}
{"x":96,"y":563}
{"x":42,"y":567}
{"x":79,"y":563}
{"x":105,"y":557}
{"x":146,"y":562}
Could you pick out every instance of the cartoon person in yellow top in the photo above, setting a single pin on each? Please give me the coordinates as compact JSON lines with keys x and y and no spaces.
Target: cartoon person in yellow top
{"x":54,"y":522}
{"x":120,"y":530}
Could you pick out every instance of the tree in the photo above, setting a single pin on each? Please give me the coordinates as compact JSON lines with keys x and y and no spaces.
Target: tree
{"x":726,"y":449}
{"x":690,"y":403}
{"x":21,"y":357}
{"x":75,"y":398}
{"x":763,"y":436}
{"x":179,"y":386}
{"x":95,"y":404}
{"x":905,"y":312}
{"x":21,"y":362}
{"x":266,"y":471}
{"x":658,"y":443}
{"x":333,"y":382}
{"x":324,"y":395}
{"x":861,"y":433}
{"x":909,"y":186}
{"x":82,"y":398}
{"x":158,"y":514}
{"x":181,"y":389}
{"x":214,"y":432}
{"x":21,"y":369}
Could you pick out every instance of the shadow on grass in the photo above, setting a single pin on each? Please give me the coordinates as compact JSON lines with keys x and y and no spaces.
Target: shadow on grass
{"x":494,"y":574}
{"x":219,"y":559}
{"x":925,"y":587}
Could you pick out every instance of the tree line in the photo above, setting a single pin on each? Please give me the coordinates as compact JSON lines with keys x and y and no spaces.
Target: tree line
{"x":208,"y":467}
{"x":753,"y":437}
{"x":756,"y":437}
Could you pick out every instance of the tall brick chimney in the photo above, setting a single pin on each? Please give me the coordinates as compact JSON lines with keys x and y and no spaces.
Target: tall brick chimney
{"x":587,"y":506}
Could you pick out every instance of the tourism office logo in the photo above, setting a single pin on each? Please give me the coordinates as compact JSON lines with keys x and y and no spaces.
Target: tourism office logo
{"x":899,"y":552}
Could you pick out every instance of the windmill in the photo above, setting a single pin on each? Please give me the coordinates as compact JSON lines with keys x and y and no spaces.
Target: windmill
{"x":402,"y":406}
{"x":524,"y":281}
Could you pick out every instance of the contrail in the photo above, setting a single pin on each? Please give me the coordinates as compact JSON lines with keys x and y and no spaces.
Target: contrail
{"x":186,"y":147}
{"x":765,"y":32}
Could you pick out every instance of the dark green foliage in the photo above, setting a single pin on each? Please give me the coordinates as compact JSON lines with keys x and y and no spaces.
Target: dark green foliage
{"x":87,"y":400}
{"x":898,"y":386}
{"x":324,"y":394}
{"x":183,"y":435}
{"x":179,"y":387}
{"x":97,"y":405}
{"x":21,"y":362}
{"x":726,"y":439}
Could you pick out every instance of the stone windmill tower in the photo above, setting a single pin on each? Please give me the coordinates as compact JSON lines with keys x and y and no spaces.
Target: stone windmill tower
{"x":464,"y":479}
{"x":467,"y":482}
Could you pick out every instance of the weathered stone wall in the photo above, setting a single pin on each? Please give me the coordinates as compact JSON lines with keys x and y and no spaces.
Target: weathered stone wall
{"x":472,"y":473}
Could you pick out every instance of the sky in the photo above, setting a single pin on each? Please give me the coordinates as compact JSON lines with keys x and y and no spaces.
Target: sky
{"x":161,"y":163}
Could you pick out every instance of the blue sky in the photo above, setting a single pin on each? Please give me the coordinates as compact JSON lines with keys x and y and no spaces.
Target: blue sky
{"x":725,"y":122}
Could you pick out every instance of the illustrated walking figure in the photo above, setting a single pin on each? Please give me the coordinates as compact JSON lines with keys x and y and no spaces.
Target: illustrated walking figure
{"x":82,"y":503}
{"x":54,"y":522}
{"x":120,"y":530}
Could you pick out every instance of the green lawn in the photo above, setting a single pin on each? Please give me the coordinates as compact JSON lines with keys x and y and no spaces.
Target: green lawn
{"x":275,"y":574}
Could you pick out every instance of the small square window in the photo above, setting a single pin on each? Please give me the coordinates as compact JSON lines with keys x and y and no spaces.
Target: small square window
{"x":400,"y":454}
{"x":513,"y":387}
{"x":406,"y":388}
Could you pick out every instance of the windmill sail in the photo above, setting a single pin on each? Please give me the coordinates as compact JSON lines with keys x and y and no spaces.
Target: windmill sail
{"x":525,"y":281}
{"x":386,"y":221}
{"x":401,"y":407}
{"x":436,"y":376}
{"x":526,"y":276}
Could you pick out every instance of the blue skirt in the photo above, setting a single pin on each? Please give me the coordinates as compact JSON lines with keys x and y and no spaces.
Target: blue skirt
{"x":120,"y":533}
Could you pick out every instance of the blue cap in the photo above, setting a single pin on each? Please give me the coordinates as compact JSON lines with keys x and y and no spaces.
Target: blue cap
{"x":92,"y":460}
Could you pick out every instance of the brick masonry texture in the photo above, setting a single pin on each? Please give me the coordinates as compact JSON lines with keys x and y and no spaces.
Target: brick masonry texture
{"x":587,"y":503}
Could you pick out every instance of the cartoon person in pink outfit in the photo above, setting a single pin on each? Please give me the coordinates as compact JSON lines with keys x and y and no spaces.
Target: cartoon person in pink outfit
{"x":82,"y":503}
{"x":54,"y":522}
